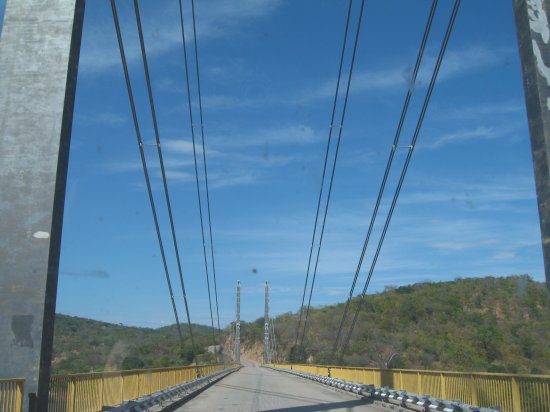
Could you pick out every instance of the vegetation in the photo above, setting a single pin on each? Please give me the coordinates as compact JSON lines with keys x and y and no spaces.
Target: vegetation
{"x":85,"y":345}
{"x":480,"y":324}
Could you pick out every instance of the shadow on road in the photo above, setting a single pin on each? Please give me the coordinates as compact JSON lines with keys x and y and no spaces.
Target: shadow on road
{"x":316,"y":407}
{"x":269,"y":393}
{"x":323,"y":406}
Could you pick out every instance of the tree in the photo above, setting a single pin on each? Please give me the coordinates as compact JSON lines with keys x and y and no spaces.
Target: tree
{"x":297,"y":354}
{"x":132,"y":362}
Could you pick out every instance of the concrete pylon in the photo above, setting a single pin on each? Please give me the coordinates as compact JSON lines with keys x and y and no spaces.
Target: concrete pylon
{"x":266,"y":324}
{"x":533,"y":30}
{"x":238,"y":325}
{"x":39,"y":52}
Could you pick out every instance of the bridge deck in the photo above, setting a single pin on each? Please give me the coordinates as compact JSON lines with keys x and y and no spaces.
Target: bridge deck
{"x":259,"y":389}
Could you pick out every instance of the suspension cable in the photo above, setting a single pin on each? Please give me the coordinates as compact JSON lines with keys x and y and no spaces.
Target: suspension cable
{"x":334,"y":164}
{"x":196,"y":168}
{"x":162,"y":170}
{"x":204,"y":163}
{"x":144,"y":165}
{"x":405,"y":167}
{"x":388,"y":164}
{"x":324,"y":167}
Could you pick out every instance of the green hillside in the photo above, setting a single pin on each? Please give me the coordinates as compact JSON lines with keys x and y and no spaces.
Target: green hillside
{"x":479,"y":324}
{"x":85,"y":345}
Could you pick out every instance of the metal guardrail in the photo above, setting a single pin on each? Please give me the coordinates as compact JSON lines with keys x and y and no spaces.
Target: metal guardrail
{"x":11,"y":395}
{"x":91,"y":392}
{"x":173,"y":394}
{"x":422,"y":403}
{"x":510,"y":392}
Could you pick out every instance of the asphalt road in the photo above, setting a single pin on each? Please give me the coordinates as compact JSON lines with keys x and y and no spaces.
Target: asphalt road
{"x":255,"y":389}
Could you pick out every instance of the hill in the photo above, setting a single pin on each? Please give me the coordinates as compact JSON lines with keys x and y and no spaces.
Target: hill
{"x":479,"y":324}
{"x":85,"y":345}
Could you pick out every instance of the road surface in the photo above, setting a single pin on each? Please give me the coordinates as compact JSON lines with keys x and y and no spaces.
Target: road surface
{"x":255,"y":389}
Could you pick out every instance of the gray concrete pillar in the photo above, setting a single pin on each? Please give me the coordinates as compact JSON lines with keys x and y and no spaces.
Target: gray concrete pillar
{"x":39,"y":51}
{"x":533,"y":32}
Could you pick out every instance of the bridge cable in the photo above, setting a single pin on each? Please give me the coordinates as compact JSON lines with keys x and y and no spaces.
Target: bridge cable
{"x":162,"y":170}
{"x":144,"y":164}
{"x":334,"y":164}
{"x":196,"y":168}
{"x":324,"y":170}
{"x":204,"y":164}
{"x":388,"y":165}
{"x":404,"y":170}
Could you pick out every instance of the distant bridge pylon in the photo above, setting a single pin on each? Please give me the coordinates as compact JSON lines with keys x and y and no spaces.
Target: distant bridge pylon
{"x":238,"y":325}
{"x":266,"y":324}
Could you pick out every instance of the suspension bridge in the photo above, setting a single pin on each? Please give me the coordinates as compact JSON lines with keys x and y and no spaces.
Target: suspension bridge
{"x":39,"y":56}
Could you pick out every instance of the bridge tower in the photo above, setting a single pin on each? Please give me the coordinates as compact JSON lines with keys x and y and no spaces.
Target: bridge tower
{"x":266,"y":324}
{"x":39,"y":53}
{"x":532,"y":22}
{"x":238,"y":325}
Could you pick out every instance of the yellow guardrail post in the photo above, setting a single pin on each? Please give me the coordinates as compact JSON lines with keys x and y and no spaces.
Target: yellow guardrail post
{"x":516,"y":395}
{"x":121,"y":388}
{"x":473,"y":390}
{"x":102,"y":390}
{"x":443,"y":385}
{"x":71,"y":393}
{"x":19,"y":396}
{"x":11,"y":394}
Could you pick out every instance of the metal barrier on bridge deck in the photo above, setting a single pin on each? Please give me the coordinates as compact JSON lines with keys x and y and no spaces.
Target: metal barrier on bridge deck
{"x":11,"y":395}
{"x":90,"y":392}
{"x":511,"y":392}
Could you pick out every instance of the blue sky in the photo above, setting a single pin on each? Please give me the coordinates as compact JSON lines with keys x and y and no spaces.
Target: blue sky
{"x":268,"y":72}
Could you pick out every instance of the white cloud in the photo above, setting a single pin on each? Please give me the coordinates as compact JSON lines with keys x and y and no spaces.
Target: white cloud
{"x":476,"y":133}
{"x":485,"y":110}
{"x":233,"y":159}
{"x":291,"y":135}
{"x":215,"y":20}
{"x":456,"y":63}
{"x":161,"y":26}
{"x":172,"y":161}
{"x":178,"y":176}
{"x":362,"y":81}
{"x":479,"y":195}
{"x":504,"y":255}
{"x":181,"y":147}
{"x":239,"y":177}
{"x":456,"y":246}
{"x":464,"y":61}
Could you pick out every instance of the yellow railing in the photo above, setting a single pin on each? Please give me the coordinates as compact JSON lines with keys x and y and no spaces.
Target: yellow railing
{"x":11,"y":395}
{"x":90,"y":392}
{"x":512,"y":393}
